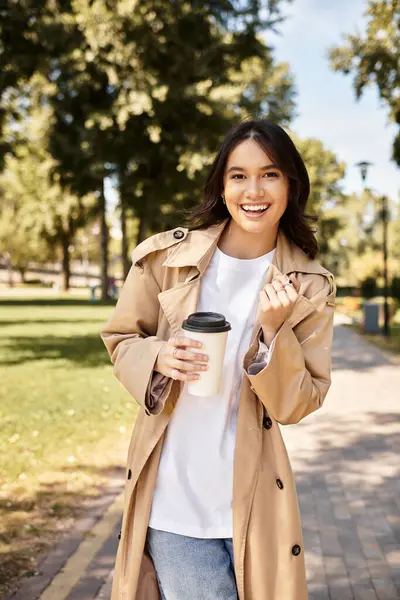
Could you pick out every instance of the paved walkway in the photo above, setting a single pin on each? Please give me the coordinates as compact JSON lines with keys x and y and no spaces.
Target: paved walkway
{"x":346,"y":462}
{"x":346,"y":459}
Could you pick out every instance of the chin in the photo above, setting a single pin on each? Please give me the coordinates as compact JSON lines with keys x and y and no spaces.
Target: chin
{"x":251,"y":227}
{"x":269,"y":221}
{"x":258,"y":225}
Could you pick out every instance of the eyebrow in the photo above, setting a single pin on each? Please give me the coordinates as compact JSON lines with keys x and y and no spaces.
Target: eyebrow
{"x":271,"y":166}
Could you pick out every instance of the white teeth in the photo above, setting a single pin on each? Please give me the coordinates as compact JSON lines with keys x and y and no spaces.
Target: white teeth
{"x":255,"y":208}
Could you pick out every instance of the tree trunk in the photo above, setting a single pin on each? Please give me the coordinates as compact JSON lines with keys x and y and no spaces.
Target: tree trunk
{"x":124,"y":241}
{"x":124,"y":202}
{"x":66,"y":262}
{"x":22,"y":271}
{"x":104,"y":245}
{"x":10,"y":270}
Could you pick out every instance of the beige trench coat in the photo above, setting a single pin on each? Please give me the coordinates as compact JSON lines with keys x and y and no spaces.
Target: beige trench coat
{"x":161,"y":290}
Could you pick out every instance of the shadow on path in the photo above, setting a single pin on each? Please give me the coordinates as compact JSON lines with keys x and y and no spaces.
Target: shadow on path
{"x":351,"y":352}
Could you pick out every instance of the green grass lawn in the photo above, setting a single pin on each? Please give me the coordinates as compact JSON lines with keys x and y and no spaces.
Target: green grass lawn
{"x":392,"y":343}
{"x":64,"y":422}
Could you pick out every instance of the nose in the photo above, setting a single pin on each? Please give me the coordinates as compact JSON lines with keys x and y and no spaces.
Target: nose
{"x":254,"y":189}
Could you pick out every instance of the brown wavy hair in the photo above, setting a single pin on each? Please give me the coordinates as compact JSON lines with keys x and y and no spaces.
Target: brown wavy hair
{"x":295,"y":223}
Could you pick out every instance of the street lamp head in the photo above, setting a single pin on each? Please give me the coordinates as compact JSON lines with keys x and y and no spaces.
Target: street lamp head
{"x":363,"y":166}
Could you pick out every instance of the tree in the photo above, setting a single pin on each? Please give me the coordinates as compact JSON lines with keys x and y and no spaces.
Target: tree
{"x":374,"y":58}
{"x":44,"y":38}
{"x":326,"y":173}
{"x":357,"y":245}
{"x":38,"y":214}
{"x":151,"y":91}
{"x":145,"y":91}
{"x":32,"y":34}
{"x":17,"y":244}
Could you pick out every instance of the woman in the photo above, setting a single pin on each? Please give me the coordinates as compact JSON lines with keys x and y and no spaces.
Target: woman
{"x":211,"y":510}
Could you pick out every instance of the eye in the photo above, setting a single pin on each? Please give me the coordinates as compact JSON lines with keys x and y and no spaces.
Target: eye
{"x":269,"y":175}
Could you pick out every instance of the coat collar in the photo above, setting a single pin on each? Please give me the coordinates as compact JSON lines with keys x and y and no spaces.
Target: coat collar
{"x":195,"y":251}
{"x":199,"y":245}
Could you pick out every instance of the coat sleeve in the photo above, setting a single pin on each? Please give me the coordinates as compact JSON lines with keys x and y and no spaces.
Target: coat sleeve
{"x":297,"y":377}
{"x":131,"y":341}
{"x":262,"y":357}
{"x":157,"y":390}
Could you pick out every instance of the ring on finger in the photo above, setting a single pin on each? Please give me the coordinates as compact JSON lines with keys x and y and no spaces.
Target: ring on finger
{"x":175,"y":350}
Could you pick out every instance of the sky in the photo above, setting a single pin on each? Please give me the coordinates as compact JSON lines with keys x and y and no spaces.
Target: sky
{"x":326,"y":104}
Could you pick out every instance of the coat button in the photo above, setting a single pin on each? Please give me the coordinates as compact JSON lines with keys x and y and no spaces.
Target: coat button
{"x":267,"y":423}
{"x":279,"y":484}
{"x":178,"y":234}
{"x":296,"y":550}
{"x":129,"y":474}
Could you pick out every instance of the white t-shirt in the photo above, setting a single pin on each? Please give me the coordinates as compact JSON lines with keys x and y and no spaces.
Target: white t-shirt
{"x":193,"y":493}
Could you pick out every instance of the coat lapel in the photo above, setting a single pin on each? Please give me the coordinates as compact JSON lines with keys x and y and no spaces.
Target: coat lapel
{"x":196,"y":251}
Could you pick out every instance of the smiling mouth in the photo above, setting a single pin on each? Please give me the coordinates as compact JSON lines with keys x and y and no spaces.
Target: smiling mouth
{"x":255,"y":212}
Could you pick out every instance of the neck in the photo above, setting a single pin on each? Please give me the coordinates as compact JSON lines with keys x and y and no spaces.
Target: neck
{"x":236,"y":242}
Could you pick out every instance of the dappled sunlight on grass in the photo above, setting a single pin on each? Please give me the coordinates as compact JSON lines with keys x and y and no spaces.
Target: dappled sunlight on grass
{"x":65,"y":422}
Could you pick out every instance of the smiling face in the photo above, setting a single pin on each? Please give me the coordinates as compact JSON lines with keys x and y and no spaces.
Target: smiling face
{"x":252,"y":180}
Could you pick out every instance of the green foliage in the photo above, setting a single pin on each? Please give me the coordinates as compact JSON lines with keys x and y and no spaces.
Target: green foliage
{"x":37,"y":215}
{"x":143,"y":92}
{"x":394,"y":234}
{"x":151,"y":91}
{"x":326,"y":199}
{"x":374,"y":57}
{"x":326,"y":174}
{"x":356,"y":247}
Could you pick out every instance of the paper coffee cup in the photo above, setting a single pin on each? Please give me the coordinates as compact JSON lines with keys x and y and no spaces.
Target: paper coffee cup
{"x":211,"y":329}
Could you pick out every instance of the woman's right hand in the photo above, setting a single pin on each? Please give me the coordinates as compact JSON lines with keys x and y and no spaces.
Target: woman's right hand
{"x":186,"y":363}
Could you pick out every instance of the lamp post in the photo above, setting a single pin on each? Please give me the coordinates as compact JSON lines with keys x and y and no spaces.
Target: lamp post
{"x":364,"y":166}
{"x":384,"y":215}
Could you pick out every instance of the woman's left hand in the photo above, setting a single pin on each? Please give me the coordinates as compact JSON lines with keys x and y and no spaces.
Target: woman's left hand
{"x":276,"y":303}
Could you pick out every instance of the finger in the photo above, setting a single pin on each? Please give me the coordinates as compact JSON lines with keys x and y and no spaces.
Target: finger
{"x":183,"y":365}
{"x":176,"y":374}
{"x":189,"y":356}
{"x":281,"y":291}
{"x":278,"y":285}
{"x":265,"y":304}
{"x":282,"y":279}
{"x":176,"y":360}
{"x":272,"y":295}
{"x":184,"y":342}
{"x":289,"y":289}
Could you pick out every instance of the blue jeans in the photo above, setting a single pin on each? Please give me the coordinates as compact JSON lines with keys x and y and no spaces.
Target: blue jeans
{"x":191,"y":568}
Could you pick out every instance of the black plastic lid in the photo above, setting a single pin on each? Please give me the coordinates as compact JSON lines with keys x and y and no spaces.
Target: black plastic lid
{"x":206,"y":322}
